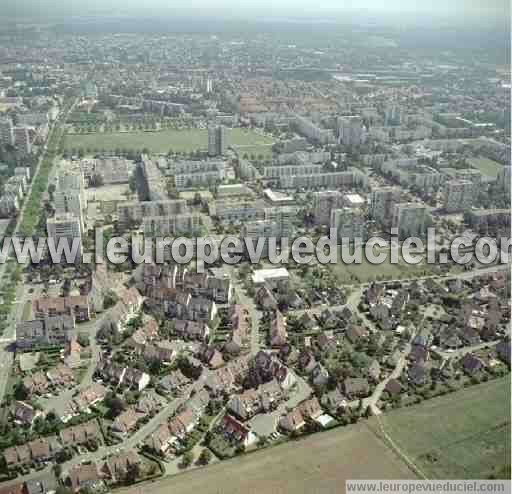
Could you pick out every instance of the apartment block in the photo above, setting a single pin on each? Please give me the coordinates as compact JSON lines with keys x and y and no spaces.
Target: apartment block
{"x":382,"y":204}
{"x":216,"y":140}
{"x":134,"y":212}
{"x":187,"y":223}
{"x":6,"y":131}
{"x":410,"y":219}
{"x":459,"y":195}
{"x":350,"y":225}
{"x":349,"y":179}
{"x":22,"y":139}
{"x":350,"y":130}
{"x":323,"y":203}
{"x":47,"y":331}
{"x":65,"y":226}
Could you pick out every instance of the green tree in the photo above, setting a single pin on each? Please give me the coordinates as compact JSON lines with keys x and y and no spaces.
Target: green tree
{"x":187,"y":459}
{"x":205,"y":457}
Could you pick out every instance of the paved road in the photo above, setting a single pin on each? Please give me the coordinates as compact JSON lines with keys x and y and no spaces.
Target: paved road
{"x":60,"y":402}
{"x":17,"y":309}
{"x":265,"y":424}
{"x":352,"y":303}
{"x":372,"y":400}
{"x":463,"y":351}
{"x":254,"y":314}
{"x":133,"y":440}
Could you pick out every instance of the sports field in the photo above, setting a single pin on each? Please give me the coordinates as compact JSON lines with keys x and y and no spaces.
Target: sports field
{"x":465,"y":434}
{"x":166,"y":140}
{"x":488,"y":167}
{"x":317,"y":464}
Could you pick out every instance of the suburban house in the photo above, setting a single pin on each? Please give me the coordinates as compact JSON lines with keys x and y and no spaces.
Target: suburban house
{"x":80,"y":434}
{"x":254,"y":401}
{"x":36,"y":384}
{"x":149,"y":403}
{"x":160,"y":440}
{"x":90,"y":396}
{"x":333,"y":400}
{"x":239,"y":324}
{"x":393,"y":387}
{"x":118,"y":465}
{"x":355,"y":333}
{"x":278,"y":333}
{"x":192,"y":330}
{"x":183,"y":423}
{"x":293,"y":421}
{"x":310,"y":409}
{"x":503,"y":351}
{"x":417,"y":374}
{"x":49,"y":330}
{"x":356,"y":387}
{"x":161,"y":351}
{"x":24,"y":413}
{"x":173,"y":382}
{"x":34,"y":452}
{"x":76,"y":306}
{"x":122,"y":376}
{"x":61,"y":376}
{"x":72,"y":353}
{"x":374,"y":370}
{"x":218,"y":288}
{"x":126,"y":308}
{"x":85,"y":476}
{"x":471,"y":364}
{"x":135,"y":378}
{"x":237,"y":431}
{"x":211,"y":356}
{"x":181,"y":305}
{"x":126,"y":421}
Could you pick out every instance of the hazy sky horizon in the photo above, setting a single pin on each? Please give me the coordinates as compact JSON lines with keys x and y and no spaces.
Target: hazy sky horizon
{"x":461,"y":11}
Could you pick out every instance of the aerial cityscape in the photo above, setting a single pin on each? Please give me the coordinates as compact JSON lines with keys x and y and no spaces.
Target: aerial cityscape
{"x":254,"y":248}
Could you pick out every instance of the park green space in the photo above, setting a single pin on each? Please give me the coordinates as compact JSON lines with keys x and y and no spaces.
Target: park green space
{"x":488,"y":167}
{"x":163,"y":141}
{"x":366,"y":272}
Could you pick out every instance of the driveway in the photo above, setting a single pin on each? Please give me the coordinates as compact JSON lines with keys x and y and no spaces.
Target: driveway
{"x":265,"y":424}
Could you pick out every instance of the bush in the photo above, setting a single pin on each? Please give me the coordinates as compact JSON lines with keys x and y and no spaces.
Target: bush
{"x":187,"y":459}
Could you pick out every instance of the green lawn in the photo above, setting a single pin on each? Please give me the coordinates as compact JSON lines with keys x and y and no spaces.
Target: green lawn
{"x":487,"y":166}
{"x":164,"y":141}
{"x":465,"y":434}
{"x":365,"y":271}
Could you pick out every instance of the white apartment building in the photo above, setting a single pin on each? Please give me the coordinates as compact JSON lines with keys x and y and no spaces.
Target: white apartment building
{"x":382,"y":204}
{"x":289,"y":170}
{"x":22,"y":139}
{"x":65,"y":226}
{"x":350,"y":224}
{"x":6,"y":131}
{"x":459,"y":195}
{"x":312,"y":131}
{"x":216,"y":140}
{"x":134,"y":212}
{"x":323,"y":203}
{"x":187,"y":223}
{"x":350,"y":130}
{"x":235,"y":211}
{"x":283,"y":217}
{"x":410,"y":219}
{"x":350,"y":178}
